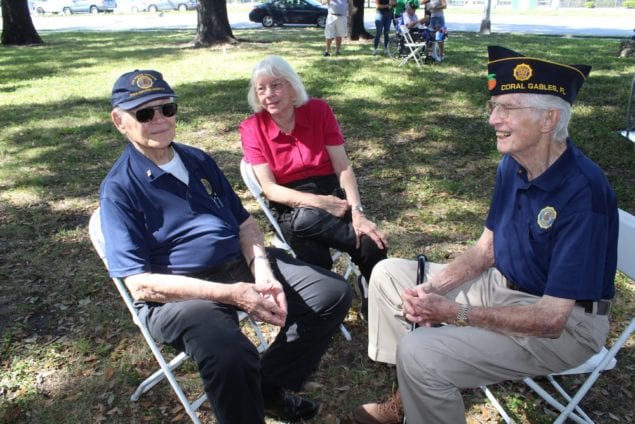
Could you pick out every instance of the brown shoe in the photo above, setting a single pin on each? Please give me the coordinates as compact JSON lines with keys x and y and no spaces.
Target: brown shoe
{"x":389,"y":412}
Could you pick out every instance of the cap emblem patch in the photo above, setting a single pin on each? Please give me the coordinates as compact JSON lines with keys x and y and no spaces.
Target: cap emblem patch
{"x":143,"y":81}
{"x":522,"y":72}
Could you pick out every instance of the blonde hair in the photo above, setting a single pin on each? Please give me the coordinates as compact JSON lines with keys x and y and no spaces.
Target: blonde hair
{"x":277,"y":67}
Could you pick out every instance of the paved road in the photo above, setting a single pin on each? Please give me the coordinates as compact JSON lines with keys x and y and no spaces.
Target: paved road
{"x":608,"y":26}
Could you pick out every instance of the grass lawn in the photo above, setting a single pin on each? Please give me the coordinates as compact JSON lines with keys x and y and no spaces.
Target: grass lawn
{"x":419,"y":142}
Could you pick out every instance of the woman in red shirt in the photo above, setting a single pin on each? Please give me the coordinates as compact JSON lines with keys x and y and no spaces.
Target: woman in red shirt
{"x":296,"y":148}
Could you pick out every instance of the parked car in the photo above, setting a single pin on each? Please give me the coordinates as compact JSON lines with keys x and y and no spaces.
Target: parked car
{"x":74,"y":6}
{"x":280,"y":12}
{"x":47,"y":6}
{"x":180,"y":5}
{"x":132,"y":6}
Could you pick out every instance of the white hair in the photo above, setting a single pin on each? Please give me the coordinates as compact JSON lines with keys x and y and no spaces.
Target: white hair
{"x":542,"y":101}
{"x":277,"y":67}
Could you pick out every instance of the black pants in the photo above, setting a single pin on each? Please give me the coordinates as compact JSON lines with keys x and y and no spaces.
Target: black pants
{"x":311,"y":232}
{"x":229,"y":364}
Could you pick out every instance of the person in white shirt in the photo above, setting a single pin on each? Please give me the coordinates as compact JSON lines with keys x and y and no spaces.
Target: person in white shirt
{"x":336,"y":25}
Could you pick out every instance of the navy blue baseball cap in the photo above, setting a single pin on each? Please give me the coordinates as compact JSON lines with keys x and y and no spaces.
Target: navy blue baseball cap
{"x":512,"y":72}
{"x":135,"y":88}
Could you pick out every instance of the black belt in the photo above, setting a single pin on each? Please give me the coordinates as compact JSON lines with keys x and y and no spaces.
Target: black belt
{"x":595,"y":307}
{"x":224,"y":267}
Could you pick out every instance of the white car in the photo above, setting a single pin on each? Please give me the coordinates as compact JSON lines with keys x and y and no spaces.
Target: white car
{"x":132,"y":6}
{"x":69,"y":7}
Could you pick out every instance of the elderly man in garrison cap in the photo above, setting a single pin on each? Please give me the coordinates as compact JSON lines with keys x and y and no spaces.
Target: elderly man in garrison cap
{"x":531,"y":297}
{"x":192,"y":256}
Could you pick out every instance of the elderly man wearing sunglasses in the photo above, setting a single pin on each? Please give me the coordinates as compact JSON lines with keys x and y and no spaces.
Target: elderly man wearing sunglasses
{"x":192,"y":256}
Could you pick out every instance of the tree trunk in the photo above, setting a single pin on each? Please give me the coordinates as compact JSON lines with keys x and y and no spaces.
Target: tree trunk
{"x":17,"y":26}
{"x":213,"y":25}
{"x":357,"y":21}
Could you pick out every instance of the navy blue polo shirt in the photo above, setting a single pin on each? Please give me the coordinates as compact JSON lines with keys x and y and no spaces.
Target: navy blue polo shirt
{"x":153,"y":222}
{"x":556,"y":235}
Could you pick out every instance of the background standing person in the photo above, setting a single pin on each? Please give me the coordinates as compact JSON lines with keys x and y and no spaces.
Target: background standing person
{"x":192,"y":256}
{"x":383,"y":19}
{"x":437,"y":20}
{"x":296,"y":148}
{"x":532,"y":296}
{"x":336,"y":25}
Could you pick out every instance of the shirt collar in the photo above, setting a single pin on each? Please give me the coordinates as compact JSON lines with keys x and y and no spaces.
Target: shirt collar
{"x":552,"y":178}
{"x":146,"y":169}
{"x":302,"y":119}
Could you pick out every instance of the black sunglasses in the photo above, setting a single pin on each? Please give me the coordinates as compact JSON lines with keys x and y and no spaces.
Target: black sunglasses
{"x":147,"y":113}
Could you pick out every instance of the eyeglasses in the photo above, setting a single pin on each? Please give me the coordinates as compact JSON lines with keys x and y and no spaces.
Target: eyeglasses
{"x":274,"y":87}
{"x":502,"y":108}
{"x":147,"y":113}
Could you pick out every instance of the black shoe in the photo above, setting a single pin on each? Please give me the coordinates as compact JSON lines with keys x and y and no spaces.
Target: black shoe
{"x":363,"y":296}
{"x":288,"y":407}
{"x":327,"y":54}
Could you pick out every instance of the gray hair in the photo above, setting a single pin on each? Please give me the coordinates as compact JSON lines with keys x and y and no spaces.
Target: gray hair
{"x":542,"y":101}
{"x":277,"y":67}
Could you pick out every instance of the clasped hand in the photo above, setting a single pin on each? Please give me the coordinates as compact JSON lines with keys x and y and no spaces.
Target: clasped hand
{"x":425,"y":308}
{"x":264,"y":300}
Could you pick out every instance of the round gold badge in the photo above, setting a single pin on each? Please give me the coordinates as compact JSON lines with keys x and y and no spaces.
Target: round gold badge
{"x":522,"y":72}
{"x":546,"y":217}
{"x":144,"y":81}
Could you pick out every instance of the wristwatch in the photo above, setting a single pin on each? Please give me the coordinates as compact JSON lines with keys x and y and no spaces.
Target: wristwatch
{"x":461,"y":316}
{"x":358,"y":207}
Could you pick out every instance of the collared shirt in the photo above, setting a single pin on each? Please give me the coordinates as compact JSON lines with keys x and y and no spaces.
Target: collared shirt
{"x":338,"y":7}
{"x":152,"y":222}
{"x":557,"y":234}
{"x":301,"y":154}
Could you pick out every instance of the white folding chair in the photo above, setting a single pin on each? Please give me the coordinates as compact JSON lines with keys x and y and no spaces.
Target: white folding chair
{"x":166,"y":369}
{"x":252,"y":183}
{"x":598,"y":363}
{"x":629,"y":132}
{"x":416,"y":48}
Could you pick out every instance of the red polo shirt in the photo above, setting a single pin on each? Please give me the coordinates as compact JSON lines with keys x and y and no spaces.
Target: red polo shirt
{"x":298,"y":155}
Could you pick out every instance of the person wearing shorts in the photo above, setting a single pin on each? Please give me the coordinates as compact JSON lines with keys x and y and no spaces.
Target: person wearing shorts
{"x":336,"y":25}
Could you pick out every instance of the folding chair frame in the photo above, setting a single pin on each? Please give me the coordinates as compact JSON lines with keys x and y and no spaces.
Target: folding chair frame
{"x":415,"y":47}
{"x":629,"y":132}
{"x":166,"y":369}
{"x":598,"y":363}
{"x":252,"y":183}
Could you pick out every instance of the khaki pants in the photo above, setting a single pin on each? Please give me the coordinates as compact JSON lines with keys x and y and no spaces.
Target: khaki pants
{"x":433,"y":364}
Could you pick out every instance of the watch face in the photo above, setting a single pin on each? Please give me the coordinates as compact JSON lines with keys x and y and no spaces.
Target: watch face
{"x":461,"y":323}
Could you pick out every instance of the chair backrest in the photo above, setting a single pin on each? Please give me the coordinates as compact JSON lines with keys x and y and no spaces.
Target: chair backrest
{"x":626,"y":244}
{"x":252,"y":183}
{"x":96,"y":236}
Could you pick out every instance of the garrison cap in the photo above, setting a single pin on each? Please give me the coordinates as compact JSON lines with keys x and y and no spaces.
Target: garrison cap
{"x":512,"y":72}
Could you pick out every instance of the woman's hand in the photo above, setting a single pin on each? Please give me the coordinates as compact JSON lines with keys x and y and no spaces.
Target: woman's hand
{"x":361,"y":225}
{"x":333,"y":205}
